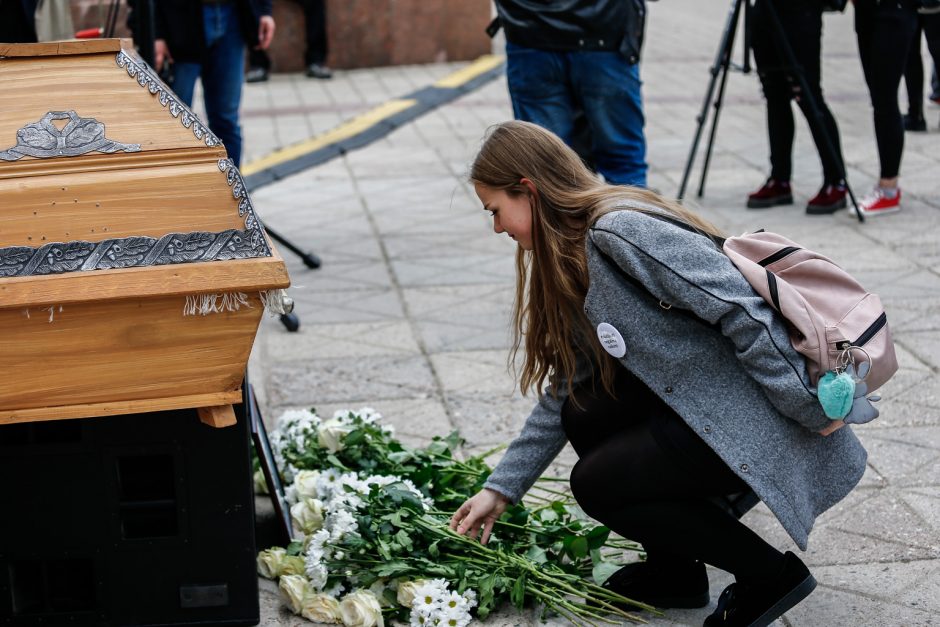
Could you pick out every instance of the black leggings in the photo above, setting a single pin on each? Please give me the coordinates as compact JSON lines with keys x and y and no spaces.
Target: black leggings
{"x":645,"y":474}
{"x":885,"y":32}
{"x":801,"y":22}
{"x":914,"y":70}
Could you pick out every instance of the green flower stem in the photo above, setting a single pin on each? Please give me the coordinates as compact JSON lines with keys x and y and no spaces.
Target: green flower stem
{"x":559,"y":479}
{"x":492,"y":451}
{"x":556,"y":492}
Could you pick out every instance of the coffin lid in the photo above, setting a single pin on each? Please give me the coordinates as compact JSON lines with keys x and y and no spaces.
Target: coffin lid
{"x":110,"y":187}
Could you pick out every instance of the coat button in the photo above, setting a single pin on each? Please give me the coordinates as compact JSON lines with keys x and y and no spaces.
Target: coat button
{"x":744,"y":468}
{"x":669,"y":390}
{"x":707,"y":428}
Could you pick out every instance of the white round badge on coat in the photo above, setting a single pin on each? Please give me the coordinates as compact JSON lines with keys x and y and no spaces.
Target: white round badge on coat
{"x":611,"y":340}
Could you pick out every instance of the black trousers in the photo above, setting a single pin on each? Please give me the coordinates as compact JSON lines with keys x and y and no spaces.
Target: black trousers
{"x":647,"y":476}
{"x":885,"y":32}
{"x":315,"y":30}
{"x":801,"y":22}
{"x":914,"y":70}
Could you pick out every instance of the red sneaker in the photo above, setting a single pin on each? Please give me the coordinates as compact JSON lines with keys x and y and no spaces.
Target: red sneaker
{"x":830,"y":199}
{"x":771,"y":194}
{"x":877,"y":204}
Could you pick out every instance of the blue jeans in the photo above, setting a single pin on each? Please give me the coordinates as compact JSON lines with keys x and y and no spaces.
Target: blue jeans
{"x":222,"y":71}
{"x":550,"y":88}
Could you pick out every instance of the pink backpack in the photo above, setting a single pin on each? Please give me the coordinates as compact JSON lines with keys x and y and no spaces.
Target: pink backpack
{"x":831,"y":318}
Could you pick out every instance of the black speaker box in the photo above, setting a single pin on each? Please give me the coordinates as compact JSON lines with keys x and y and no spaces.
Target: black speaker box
{"x":143,"y":519}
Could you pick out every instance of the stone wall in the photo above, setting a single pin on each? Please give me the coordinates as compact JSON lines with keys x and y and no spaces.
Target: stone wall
{"x":361,"y":33}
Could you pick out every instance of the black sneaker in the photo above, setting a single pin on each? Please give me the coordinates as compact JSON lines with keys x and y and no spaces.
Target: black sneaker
{"x":315,"y":70}
{"x":759,"y":604}
{"x":914,"y":125}
{"x":256,"y":75}
{"x":678,"y":587}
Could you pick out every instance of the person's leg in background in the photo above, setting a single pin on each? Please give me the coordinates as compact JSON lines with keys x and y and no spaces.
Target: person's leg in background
{"x":259,"y":66}
{"x":931,"y":27}
{"x":609,"y":91}
{"x":885,"y":31}
{"x":184,"y":81}
{"x":539,"y":90}
{"x":914,"y":86}
{"x":223,"y":74}
{"x":780,"y":128}
{"x":317,"y":46}
{"x":802,"y":22}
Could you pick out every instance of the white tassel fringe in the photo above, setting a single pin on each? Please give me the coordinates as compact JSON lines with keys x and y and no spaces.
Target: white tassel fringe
{"x":277,"y":301}
{"x":205,"y":304}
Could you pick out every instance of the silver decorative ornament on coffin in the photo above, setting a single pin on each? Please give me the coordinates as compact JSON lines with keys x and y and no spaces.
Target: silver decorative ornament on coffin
{"x":79,"y":136}
{"x":139,"y":70}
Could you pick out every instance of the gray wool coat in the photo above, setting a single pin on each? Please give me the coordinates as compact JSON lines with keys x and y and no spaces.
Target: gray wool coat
{"x":737,"y":381}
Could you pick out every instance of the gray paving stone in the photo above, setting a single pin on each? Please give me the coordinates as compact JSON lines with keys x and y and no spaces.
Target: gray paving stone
{"x":349,"y":379}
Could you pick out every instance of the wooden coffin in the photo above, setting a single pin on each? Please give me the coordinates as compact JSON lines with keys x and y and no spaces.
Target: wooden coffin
{"x":132,"y":263}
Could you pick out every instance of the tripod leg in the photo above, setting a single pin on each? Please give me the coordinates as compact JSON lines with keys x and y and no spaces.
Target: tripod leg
{"x":815,"y":118}
{"x":722,"y":62}
{"x":711,"y":134}
{"x":310,"y":260}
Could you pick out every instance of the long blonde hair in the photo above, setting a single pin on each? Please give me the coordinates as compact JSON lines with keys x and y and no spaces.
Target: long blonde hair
{"x":552,"y":278}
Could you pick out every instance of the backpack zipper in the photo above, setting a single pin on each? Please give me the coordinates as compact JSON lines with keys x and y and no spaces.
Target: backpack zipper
{"x":869,"y":333}
{"x":777,"y":256}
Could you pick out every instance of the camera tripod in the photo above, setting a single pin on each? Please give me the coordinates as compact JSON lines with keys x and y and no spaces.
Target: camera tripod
{"x":719,"y":78}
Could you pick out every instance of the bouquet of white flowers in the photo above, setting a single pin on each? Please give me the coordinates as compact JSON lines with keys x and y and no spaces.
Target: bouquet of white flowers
{"x":372,"y":541}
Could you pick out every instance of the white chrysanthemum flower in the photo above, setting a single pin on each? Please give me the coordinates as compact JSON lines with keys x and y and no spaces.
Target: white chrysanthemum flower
{"x":316,"y":550}
{"x":471,"y":596}
{"x":369,"y":415}
{"x":290,"y":494}
{"x":429,"y":594}
{"x":388,"y":430}
{"x":335,"y":590}
{"x":339,"y":523}
{"x":421,"y":617}
{"x":453,"y":617}
{"x":328,"y":482}
{"x":317,"y":576}
{"x":454,"y":601}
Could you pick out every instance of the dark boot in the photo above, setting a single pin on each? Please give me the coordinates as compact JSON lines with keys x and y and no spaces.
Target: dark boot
{"x":771,"y":194}
{"x":759,"y":603}
{"x":683,"y":586}
{"x":830,"y":199}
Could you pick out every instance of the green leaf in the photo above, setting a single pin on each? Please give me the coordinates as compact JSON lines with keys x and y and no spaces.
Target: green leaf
{"x":295,"y":548}
{"x":603,"y":570}
{"x":393,"y":569}
{"x":354,"y":437}
{"x":577,"y":547}
{"x":537,"y":554}
{"x":517,"y":594}
{"x":597,"y":537}
{"x":433,"y":549}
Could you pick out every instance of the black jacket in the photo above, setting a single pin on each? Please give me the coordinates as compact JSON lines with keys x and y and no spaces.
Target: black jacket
{"x":179,"y":22}
{"x":567,"y":25}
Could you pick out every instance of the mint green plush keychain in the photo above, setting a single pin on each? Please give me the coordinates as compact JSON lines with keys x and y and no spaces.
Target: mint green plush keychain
{"x":836,"y":391}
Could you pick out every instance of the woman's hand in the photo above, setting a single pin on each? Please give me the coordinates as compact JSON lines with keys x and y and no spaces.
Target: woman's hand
{"x":479,"y":512}
{"x":834,"y":425}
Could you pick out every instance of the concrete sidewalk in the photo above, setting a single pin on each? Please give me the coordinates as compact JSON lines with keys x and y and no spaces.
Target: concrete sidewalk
{"x":409,"y":313}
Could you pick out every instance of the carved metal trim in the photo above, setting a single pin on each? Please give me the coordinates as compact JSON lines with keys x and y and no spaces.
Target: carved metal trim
{"x":130,"y":252}
{"x":139,"y":70}
{"x":79,"y":136}
{"x":245,"y":209}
